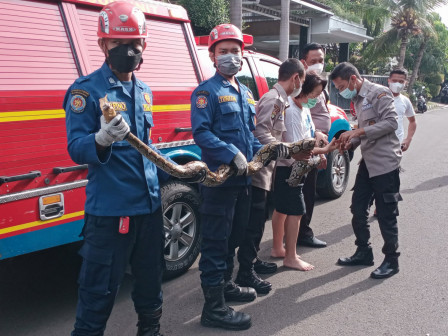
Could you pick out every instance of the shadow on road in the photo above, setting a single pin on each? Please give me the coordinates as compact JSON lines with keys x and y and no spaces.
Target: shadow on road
{"x":437,"y":182}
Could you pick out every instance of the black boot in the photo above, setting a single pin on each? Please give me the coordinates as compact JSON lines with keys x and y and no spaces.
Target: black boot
{"x":249,"y":278}
{"x":148,"y":323}
{"x":216,"y":314}
{"x":388,"y":268}
{"x":264,"y":267}
{"x":233,"y":292}
{"x":362,"y":256}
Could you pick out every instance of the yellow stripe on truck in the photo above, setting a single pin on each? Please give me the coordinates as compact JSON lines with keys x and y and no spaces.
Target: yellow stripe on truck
{"x":55,"y":114}
{"x":39,"y":223}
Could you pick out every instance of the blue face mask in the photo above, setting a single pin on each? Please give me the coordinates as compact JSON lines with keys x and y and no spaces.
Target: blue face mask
{"x":348,"y":94}
{"x":310,"y":103}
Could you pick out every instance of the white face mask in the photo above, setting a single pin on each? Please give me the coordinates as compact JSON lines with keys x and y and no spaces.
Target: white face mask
{"x":396,"y":87}
{"x":296,"y":91}
{"x":317,"y":68}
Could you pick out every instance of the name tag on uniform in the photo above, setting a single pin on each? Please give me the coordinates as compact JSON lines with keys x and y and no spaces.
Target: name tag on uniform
{"x":119,"y":106}
{"x":251,"y":101}
{"x":225,"y":99}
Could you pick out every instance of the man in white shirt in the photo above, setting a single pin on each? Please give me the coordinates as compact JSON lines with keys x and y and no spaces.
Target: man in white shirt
{"x":403,"y":106}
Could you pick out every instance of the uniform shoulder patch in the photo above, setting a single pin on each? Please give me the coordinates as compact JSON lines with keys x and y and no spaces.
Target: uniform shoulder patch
{"x":202,"y":93}
{"x":201,"y":102}
{"x":80,"y":92}
{"x":381,"y":95}
{"x":77,"y":103}
{"x":275,"y":111}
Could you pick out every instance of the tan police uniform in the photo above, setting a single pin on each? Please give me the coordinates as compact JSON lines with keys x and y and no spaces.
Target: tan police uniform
{"x":378,"y":173}
{"x":270,"y":126}
{"x":270,"y":117}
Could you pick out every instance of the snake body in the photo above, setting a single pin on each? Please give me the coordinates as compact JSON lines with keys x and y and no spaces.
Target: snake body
{"x":300,"y":168}
{"x":199,"y":168}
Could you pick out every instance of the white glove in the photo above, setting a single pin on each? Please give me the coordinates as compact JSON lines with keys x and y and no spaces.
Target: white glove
{"x":116,"y":130}
{"x":240,"y":163}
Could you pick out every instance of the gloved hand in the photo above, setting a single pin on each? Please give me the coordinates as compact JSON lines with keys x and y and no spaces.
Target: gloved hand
{"x":116,"y":130}
{"x":198,"y":178}
{"x":281,"y":151}
{"x":240,"y":163}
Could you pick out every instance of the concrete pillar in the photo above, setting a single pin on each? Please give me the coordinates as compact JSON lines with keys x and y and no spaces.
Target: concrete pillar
{"x":236,"y":13}
{"x":344,"y":52}
{"x":284,"y":31}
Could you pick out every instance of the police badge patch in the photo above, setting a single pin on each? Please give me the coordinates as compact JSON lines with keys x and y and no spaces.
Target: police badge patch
{"x":275,"y":112}
{"x":201,"y":102}
{"x":77,"y":103}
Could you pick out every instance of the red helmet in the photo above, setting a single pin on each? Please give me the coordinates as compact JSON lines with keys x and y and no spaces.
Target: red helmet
{"x":122,"y":20}
{"x":223,"y":32}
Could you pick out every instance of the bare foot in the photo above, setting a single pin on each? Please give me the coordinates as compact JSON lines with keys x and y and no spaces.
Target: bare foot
{"x":297,"y":264}
{"x":278,"y":253}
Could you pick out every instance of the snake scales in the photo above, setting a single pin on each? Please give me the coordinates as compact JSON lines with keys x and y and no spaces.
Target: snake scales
{"x":211,"y":179}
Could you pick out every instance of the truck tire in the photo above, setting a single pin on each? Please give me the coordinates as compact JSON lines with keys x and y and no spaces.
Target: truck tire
{"x":181,"y":222}
{"x":333,"y":180}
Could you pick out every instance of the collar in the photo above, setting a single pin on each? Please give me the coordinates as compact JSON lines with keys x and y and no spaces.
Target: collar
{"x":224,"y":82}
{"x":112,"y":80}
{"x":281,"y":91}
{"x":365,"y":88}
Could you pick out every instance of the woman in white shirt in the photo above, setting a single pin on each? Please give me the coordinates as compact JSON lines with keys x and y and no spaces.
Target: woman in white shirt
{"x":288,"y":201}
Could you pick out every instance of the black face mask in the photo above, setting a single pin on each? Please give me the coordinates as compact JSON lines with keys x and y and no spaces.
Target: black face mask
{"x":124,"y":58}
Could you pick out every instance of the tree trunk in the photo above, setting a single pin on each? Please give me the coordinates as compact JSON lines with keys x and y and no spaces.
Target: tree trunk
{"x":236,"y":13}
{"x":417,"y":63}
{"x":284,"y":31}
{"x":403,"y":46}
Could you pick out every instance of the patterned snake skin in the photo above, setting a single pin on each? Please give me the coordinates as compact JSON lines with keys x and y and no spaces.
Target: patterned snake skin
{"x":211,"y":179}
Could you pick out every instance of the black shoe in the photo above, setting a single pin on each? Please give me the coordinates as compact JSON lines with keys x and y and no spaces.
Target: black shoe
{"x":386,"y":269}
{"x":251,"y":279}
{"x":361,"y":257}
{"x":148,"y":323}
{"x":233,"y":292}
{"x":216,"y":314}
{"x":263,"y":267}
{"x":311,"y":242}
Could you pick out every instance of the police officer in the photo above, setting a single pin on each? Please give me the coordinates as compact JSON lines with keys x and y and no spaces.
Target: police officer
{"x":123,"y":217}
{"x":270,"y":115}
{"x":222,"y":118}
{"x":312,"y":57}
{"x":378,"y":170}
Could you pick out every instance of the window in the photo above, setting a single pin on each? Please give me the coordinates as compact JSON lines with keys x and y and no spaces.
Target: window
{"x":270,"y":71}
{"x":245,"y":76}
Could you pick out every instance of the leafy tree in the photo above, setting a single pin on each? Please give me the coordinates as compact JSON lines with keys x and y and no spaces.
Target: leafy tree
{"x":206,"y":14}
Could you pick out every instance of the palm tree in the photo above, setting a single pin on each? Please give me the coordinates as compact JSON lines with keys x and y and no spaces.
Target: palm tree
{"x":428,"y":32}
{"x":408,"y":18}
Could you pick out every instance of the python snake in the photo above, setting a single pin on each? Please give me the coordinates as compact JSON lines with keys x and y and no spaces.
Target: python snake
{"x":193,"y":168}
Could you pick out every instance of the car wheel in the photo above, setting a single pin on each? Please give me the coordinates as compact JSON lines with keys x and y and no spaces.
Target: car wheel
{"x":181,"y":221}
{"x":333,"y":180}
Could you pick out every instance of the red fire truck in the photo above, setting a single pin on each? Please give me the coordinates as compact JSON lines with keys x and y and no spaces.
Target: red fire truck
{"x":46,"y":45}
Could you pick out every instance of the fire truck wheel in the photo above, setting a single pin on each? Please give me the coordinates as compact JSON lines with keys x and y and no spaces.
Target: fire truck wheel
{"x":332,"y":181}
{"x":181,"y":221}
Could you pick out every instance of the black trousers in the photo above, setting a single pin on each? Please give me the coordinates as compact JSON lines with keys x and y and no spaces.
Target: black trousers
{"x":106,"y":254}
{"x":255,"y":229}
{"x":309,"y":193}
{"x":385,"y":189}
{"x":224,"y":218}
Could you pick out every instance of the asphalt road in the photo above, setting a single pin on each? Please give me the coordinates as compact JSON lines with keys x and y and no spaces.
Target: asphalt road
{"x":38,"y":292}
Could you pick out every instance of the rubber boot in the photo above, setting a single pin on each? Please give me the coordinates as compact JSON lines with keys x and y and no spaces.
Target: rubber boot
{"x":148,"y":323}
{"x":216,"y":314}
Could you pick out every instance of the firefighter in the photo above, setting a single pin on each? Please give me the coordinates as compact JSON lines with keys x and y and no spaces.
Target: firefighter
{"x":378,"y":170}
{"x":222,"y":118}
{"x":123,"y":217}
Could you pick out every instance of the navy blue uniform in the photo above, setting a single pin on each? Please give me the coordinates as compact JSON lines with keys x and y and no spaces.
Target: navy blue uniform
{"x":121,"y":183}
{"x":223,"y":120}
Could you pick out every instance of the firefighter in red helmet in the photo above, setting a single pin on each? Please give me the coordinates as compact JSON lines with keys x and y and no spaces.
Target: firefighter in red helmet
{"x":222,"y":119}
{"x":123,"y":216}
